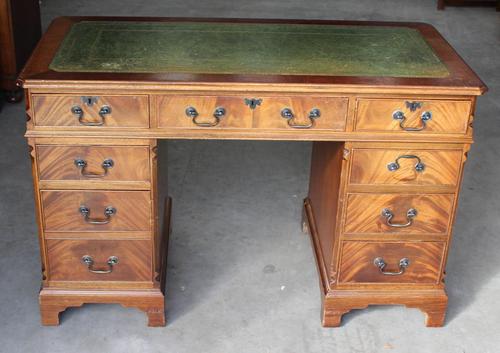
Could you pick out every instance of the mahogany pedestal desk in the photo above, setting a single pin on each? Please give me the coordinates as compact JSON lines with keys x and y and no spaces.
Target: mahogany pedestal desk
{"x":389,"y":107}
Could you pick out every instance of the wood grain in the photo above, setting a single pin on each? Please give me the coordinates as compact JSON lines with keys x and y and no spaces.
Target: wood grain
{"x":431,"y":302}
{"x":447,"y":116}
{"x":65,"y":260}
{"x":245,"y":134}
{"x":126,"y":111}
{"x":364,"y":213}
{"x":55,"y":301}
{"x":58,"y":162}
{"x":369,"y":167}
{"x":357,"y":262}
{"x":339,"y":299}
{"x":323,"y":202}
{"x":347,"y":193}
{"x":333,"y":112}
{"x":151,"y":301}
{"x":172,"y":111}
{"x":61,"y":210}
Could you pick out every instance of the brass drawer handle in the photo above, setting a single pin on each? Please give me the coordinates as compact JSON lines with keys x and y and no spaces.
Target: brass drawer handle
{"x":287,"y":113}
{"x":419,"y":166}
{"x":410,"y":215}
{"x":108,"y":213}
{"x":78,"y":111}
{"x":192,"y":113}
{"x":424,"y":118}
{"x":380,"y":263}
{"x":89,"y":261}
{"x":81,"y":164}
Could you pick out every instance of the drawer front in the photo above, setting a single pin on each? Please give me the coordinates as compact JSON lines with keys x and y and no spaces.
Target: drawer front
{"x":118,"y":163}
{"x":94,"y":112}
{"x":66,"y":211}
{"x":447,"y":117}
{"x":328,"y":113}
{"x":79,"y":260}
{"x":405,"y":167}
{"x":365,"y":262}
{"x":369,"y":213}
{"x":203,"y":112}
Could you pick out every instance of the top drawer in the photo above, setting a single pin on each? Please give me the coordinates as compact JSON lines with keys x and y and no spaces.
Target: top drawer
{"x":266,"y":113}
{"x":301,"y":112}
{"x":91,"y":111}
{"x":202,"y":112}
{"x":425,"y":117}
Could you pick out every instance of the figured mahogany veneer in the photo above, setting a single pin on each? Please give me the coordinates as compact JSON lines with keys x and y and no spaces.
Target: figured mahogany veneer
{"x":380,"y":188}
{"x":364,"y":213}
{"x":372,"y":166}
{"x":57,"y":163}
{"x":61,"y":210}
{"x":172,"y":111}
{"x":357,"y":262}
{"x":241,"y":113}
{"x":126,"y":111}
{"x":451,"y":117}
{"x":332,"y":110}
{"x":65,"y":260}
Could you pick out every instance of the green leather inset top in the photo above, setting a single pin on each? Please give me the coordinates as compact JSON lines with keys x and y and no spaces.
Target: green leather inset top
{"x":232,"y":48}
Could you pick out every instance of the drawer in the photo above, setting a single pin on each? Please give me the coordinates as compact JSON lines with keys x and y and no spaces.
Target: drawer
{"x":327,"y":113}
{"x":447,"y":117}
{"x":387,"y":166}
{"x":91,"y":111}
{"x":106,"y":163}
{"x":416,"y":214}
{"x":66,"y":211}
{"x":203,"y":112}
{"x":79,"y":260}
{"x":381,"y":262}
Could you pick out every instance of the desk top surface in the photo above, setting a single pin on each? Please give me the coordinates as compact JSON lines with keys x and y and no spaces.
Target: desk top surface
{"x":246,"y":48}
{"x":253,"y":51}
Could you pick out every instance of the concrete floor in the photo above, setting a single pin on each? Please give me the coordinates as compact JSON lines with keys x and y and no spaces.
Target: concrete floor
{"x":241,"y":275}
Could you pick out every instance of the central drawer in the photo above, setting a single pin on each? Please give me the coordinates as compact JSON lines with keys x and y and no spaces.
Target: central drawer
{"x":203,"y":112}
{"x":103,"y":211}
{"x":99,"y":260}
{"x":398,"y":213}
{"x":260,"y":112}
{"x":381,"y":262}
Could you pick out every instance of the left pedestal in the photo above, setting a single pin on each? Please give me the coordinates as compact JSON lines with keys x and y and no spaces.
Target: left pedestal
{"x":97,"y":211}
